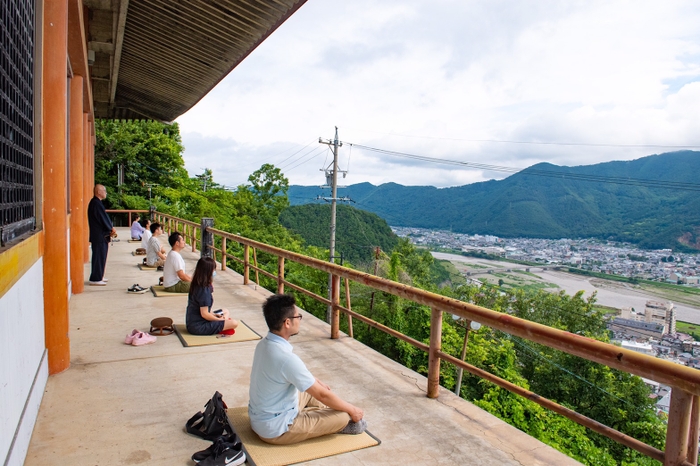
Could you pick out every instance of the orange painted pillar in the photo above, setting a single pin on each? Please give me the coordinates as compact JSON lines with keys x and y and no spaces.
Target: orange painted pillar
{"x":54,"y":103}
{"x":78,"y":213}
{"x":87,"y":188}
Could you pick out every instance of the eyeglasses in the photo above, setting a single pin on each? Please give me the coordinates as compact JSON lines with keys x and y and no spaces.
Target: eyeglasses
{"x":297,"y":317}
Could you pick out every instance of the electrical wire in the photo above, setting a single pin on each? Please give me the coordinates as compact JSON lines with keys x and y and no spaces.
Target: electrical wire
{"x":293,"y":153}
{"x":543,"y":143}
{"x":311,"y":157}
{"x":295,"y":160}
{"x":539,"y":172}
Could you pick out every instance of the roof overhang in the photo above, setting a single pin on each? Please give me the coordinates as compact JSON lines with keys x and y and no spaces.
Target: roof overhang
{"x":155,"y":59}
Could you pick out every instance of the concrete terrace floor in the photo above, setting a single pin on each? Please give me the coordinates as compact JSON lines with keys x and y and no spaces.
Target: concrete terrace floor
{"x":125,"y":405}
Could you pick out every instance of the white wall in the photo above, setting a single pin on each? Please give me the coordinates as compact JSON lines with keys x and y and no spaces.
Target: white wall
{"x":23,"y":363}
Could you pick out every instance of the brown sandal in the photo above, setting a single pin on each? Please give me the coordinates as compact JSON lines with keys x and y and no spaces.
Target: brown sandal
{"x":161,"y":326}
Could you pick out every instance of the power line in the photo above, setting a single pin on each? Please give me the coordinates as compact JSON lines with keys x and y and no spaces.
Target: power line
{"x":311,"y":157}
{"x":280,"y":163}
{"x":544,"y":143}
{"x":281,"y":166}
{"x":539,"y":172}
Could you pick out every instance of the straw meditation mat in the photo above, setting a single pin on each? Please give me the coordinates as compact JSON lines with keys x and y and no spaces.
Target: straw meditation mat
{"x":159,"y":292}
{"x":146,"y":267}
{"x":243,"y":333}
{"x":260,"y":453}
{"x":134,"y":241}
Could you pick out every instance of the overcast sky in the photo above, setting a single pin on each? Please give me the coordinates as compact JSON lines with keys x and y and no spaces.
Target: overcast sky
{"x":442,"y":78}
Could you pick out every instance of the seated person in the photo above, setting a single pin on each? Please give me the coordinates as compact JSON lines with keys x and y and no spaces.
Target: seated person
{"x":287,"y":404}
{"x":175,"y":279}
{"x":136,"y":228}
{"x":199,"y":318}
{"x":155,"y":253}
{"x":146,"y":223}
{"x":146,"y":233}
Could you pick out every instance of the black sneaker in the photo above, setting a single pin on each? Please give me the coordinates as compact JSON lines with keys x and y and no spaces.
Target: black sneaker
{"x":231,"y":455}
{"x":159,"y":268}
{"x":220,"y":445}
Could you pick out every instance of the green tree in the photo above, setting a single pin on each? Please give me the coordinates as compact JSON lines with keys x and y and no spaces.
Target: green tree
{"x":145,"y":152}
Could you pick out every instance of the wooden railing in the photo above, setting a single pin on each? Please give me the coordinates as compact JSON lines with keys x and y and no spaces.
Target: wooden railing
{"x":191,"y":231}
{"x":684,"y":413}
{"x":129,"y":212}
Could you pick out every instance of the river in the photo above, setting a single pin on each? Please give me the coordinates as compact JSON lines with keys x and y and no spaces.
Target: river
{"x":613,"y":294}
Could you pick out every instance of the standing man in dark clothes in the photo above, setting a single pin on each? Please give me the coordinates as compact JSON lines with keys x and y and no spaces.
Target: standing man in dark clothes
{"x":101,"y":231}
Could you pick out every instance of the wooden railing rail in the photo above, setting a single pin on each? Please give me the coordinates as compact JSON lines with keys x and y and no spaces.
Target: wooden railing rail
{"x":170,"y":224}
{"x":684,"y":413}
{"x":129,"y":212}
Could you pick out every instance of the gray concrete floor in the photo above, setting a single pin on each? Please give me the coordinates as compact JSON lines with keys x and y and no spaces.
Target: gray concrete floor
{"x":124,"y":405}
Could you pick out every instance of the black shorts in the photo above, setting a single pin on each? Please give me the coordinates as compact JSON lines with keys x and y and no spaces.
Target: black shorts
{"x":208,"y":327}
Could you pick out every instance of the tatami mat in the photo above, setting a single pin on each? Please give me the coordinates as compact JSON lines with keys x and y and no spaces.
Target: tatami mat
{"x":146,"y":267}
{"x":159,"y":292}
{"x":243,"y":333}
{"x":260,"y":453}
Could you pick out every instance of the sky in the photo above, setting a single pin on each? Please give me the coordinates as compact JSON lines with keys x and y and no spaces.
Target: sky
{"x":502,"y":83}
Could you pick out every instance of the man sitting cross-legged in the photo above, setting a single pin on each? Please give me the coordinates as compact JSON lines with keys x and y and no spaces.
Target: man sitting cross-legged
{"x":288,"y":404}
{"x":155,"y":253}
{"x":175,"y":280}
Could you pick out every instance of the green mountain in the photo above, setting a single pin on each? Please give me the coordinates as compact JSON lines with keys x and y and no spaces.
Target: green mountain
{"x":357,"y":231}
{"x":621,"y":201}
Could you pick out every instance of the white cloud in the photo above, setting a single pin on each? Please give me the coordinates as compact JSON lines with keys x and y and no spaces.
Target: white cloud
{"x":434,"y":78}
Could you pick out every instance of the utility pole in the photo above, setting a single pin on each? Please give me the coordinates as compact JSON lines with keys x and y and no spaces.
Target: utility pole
{"x":332,"y":180}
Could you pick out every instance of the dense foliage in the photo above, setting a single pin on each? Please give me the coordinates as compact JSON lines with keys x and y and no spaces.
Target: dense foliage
{"x":614,"y":398}
{"x":357,"y":232}
{"x":528,"y":204}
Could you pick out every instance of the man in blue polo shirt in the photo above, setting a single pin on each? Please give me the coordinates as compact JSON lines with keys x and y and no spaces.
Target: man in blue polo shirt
{"x":288,"y":404}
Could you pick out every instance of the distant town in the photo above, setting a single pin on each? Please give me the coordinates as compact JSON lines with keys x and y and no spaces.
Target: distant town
{"x":587,"y":254}
{"x":651,"y":331}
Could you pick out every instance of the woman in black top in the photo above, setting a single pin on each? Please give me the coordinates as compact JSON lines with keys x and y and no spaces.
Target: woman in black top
{"x":199,"y":319}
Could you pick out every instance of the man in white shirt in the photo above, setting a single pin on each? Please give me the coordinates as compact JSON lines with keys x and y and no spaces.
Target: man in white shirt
{"x":155,"y":253}
{"x":175,"y":279}
{"x":146,"y":234}
{"x":287,"y":403}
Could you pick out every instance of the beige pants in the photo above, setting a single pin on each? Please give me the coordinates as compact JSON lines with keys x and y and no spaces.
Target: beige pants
{"x":314,"y":420}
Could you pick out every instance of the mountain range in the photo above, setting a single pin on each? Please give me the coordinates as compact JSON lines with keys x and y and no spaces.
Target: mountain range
{"x":653,"y":202}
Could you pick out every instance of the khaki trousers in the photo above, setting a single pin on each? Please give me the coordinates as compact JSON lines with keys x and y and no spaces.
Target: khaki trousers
{"x":314,"y":420}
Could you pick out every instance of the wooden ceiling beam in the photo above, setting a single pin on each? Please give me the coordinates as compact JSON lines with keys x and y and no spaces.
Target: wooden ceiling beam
{"x":118,"y":43}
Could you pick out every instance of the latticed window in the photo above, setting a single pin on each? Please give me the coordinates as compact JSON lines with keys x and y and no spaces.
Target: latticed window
{"x":16,"y":118}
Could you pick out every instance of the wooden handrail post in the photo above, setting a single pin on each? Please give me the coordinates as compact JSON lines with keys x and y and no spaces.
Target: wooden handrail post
{"x":194,"y":239}
{"x":348,"y":305}
{"x":129,"y":219}
{"x":223,"y":253}
{"x":246,"y":264}
{"x":280,"y":275}
{"x":207,"y":238}
{"x":255,"y":262}
{"x":433,"y":358}
{"x":678,"y":427}
{"x":694,"y":431}
{"x":335,"y":302}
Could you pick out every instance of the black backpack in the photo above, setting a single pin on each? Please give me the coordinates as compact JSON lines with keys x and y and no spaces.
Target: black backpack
{"x":213,"y":422}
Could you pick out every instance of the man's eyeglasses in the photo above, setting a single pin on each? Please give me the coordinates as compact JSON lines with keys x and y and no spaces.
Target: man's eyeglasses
{"x":297,"y":317}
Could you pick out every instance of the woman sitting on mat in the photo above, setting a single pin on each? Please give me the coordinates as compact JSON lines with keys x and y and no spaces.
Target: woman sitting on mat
{"x":200,"y":320}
